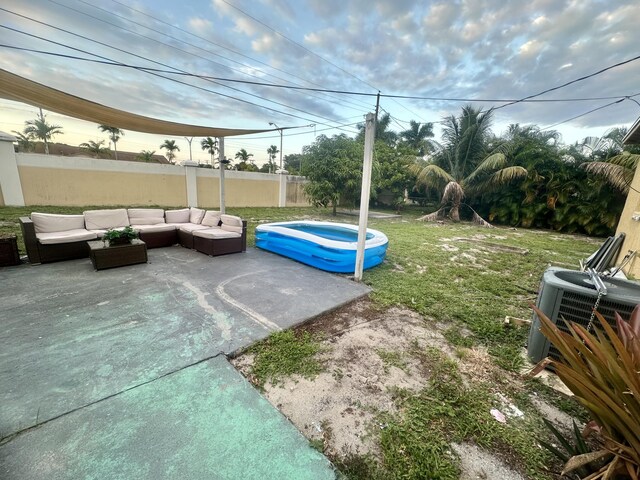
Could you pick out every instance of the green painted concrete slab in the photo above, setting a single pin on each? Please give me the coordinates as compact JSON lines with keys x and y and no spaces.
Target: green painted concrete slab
{"x":71,"y":336}
{"x":202,"y":422}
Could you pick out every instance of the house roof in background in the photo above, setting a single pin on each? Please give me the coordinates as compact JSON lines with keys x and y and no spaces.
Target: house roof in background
{"x":633,"y":135}
{"x":20,"y":89}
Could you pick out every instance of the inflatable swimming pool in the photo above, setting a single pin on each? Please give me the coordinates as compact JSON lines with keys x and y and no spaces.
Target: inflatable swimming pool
{"x":325,"y":245}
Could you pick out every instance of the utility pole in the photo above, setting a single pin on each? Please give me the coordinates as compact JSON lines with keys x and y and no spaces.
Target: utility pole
{"x":189,"y":140}
{"x":365,"y":192}
{"x":221,"y":160}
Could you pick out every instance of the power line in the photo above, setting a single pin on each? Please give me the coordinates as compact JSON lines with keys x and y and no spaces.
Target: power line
{"x":182,"y":51}
{"x":224,"y":47}
{"x":343,"y":92}
{"x":585,"y":77}
{"x":149,"y":72}
{"x":298,"y":44}
{"x":176,"y":39}
{"x":585,"y":113}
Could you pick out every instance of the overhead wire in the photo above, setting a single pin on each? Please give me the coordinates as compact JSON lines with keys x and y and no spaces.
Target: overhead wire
{"x":176,"y":39}
{"x":182,"y":51}
{"x":311,"y":82}
{"x":146,"y":59}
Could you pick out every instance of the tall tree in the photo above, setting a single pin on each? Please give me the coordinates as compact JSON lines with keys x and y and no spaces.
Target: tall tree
{"x":272,"y":151}
{"x":171,"y":147}
{"x":146,"y":155}
{"x":244,"y":156}
{"x":114,"y":135}
{"x":334,"y":170}
{"x":462,"y":163}
{"x":415,"y":137}
{"x":38,"y":128}
{"x":210,"y":146}
{"x":96,"y":149}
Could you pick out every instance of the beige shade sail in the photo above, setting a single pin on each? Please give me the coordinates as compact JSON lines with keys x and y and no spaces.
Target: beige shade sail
{"x":20,"y":89}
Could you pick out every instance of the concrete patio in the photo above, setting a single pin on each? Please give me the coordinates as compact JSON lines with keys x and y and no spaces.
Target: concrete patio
{"x":123,"y":373}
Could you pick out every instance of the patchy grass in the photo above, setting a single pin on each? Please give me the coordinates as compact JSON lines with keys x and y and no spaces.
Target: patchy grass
{"x":283,"y":354}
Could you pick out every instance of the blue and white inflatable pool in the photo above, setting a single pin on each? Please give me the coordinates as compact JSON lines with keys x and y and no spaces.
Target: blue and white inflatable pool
{"x":325,"y":245}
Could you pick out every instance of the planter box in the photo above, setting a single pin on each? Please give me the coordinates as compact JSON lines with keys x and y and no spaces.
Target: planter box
{"x":9,"y":251}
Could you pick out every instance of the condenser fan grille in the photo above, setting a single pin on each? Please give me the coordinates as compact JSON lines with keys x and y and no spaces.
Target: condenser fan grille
{"x":577,"y":308}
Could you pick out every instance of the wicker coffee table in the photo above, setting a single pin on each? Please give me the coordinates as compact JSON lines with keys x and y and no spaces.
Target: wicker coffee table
{"x":109,"y":256}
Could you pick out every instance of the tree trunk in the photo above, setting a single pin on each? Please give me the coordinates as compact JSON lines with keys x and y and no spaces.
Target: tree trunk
{"x":115,"y":149}
{"x":46,"y":147}
{"x":335,"y":209}
{"x":455,"y":212}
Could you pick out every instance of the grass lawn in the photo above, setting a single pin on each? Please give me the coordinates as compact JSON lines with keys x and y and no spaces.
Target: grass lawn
{"x":463,"y":278}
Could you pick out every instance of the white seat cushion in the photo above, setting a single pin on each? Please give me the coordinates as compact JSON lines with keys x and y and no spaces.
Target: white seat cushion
{"x":196,"y":215}
{"x":211,"y":218}
{"x":163,"y":227}
{"x":145,"y":216}
{"x":106,"y":219}
{"x":50,"y":222}
{"x":67,"y":236}
{"x":177,"y":216}
{"x":215,"y":233}
{"x":192,"y":227}
{"x":231,"y":220}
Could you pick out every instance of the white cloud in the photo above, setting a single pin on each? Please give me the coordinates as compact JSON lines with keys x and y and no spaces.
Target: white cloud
{"x":200,"y":25}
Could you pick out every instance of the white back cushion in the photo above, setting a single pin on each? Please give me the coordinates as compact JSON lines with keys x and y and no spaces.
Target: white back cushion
{"x":231,"y":220}
{"x":211,"y":218}
{"x":50,"y":222}
{"x":231,"y":228}
{"x":177,"y":216}
{"x":105,"y":219}
{"x":196,"y":215}
{"x":145,"y":216}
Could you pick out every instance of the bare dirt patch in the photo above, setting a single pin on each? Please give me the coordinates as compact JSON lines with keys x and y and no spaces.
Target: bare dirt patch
{"x":371,"y":354}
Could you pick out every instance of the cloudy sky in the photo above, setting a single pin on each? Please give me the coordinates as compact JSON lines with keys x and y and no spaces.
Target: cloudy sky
{"x":471,"y":49}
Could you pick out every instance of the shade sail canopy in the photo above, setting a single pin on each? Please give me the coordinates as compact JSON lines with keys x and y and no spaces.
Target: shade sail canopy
{"x":633,"y":135}
{"x":20,"y":89}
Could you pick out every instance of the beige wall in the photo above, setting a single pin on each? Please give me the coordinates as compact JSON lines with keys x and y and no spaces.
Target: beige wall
{"x":50,"y":186}
{"x":78,"y":181}
{"x":1,"y":199}
{"x":631,"y":228}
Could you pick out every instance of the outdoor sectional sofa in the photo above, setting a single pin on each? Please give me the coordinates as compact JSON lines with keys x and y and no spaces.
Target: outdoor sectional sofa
{"x":52,"y":237}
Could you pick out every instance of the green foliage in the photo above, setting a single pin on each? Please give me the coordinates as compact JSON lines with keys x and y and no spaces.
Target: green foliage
{"x":146,"y":155}
{"x":333,"y":167}
{"x":283,"y":354}
{"x":171,"y":147}
{"x":96,"y":148}
{"x":293,"y":163}
{"x":39,"y":129}
{"x":569,"y":447}
{"x":392,"y":174}
{"x":602,"y":370}
{"x":209,"y":145}
{"x":120,"y":236}
{"x":416,"y":137}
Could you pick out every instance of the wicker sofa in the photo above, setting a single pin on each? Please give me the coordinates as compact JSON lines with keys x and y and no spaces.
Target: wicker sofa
{"x":52,"y":237}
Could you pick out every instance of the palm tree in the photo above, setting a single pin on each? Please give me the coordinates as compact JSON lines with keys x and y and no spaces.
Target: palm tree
{"x":40,"y":129}
{"x":96,"y":148}
{"x":272,"y":151}
{"x":25,"y":142}
{"x":210,"y":146}
{"x":146,"y":155}
{"x":462,"y":164}
{"x":114,"y":135}
{"x":171,"y":147}
{"x":382,"y":131}
{"x":243,"y":156}
{"x":416,"y":136}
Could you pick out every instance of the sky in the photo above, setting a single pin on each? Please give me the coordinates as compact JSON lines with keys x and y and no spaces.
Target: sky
{"x":495,"y":50}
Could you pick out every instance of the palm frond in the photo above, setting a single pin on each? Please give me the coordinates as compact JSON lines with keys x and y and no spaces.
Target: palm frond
{"x":432,"y":217}
{"x":618,"y":176}
{"x":491,"y":163}
{"x":453,"y":193}
{"x":433,"y":176}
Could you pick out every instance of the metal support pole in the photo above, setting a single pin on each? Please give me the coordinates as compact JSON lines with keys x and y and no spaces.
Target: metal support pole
{"x":370,"y":128}
{"x":221,"y":163}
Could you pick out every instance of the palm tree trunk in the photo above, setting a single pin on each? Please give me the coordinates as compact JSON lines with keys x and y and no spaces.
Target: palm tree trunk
{"x":335,"y":208}
{"x":46,"y":147}
{"x":455,"y":212}
{"x":115,"y":149}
